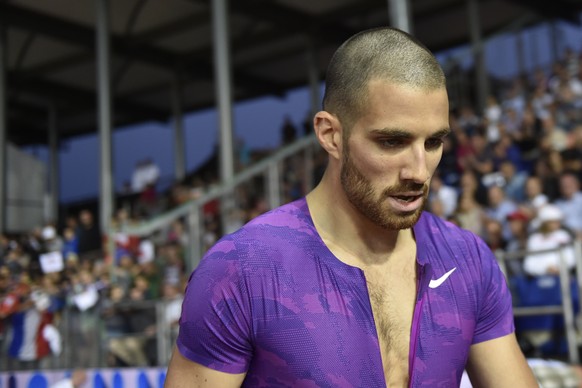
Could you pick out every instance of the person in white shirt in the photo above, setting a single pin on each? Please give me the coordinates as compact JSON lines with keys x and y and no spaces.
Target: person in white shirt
{"x":550,"y":235}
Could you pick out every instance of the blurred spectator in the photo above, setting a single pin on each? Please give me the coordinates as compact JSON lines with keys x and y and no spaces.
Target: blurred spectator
{"x":468,"y":121}
{"x":177,"y":234}
{"x":499,"y":207}
{"x":518,"y":225}
{"x":136,"y":347}
{"x":51,"y":241}
{"x":514,"y":181}
{"x":146,"y":173}
{"x":172,"y":262}
{"x":70,"y":244}
{"x":470,"y":185}
{"x":492,"y":118}
{"x":28,"y":317}
{"x":551,"y":235}
{"x":447,"y":195}
{"x":570,"y":203}
{"x":480,"y":160}
{"x":89,"y":235}
{"x":548,"y":178}
{"x":494,"y":235}
{"x":448,"y":169}
{"x":470,"y":214}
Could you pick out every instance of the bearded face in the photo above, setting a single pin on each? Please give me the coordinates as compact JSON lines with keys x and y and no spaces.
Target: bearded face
{"x":373,"y":202}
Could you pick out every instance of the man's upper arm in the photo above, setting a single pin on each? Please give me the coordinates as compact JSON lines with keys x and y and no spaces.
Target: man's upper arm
{"x":499,"y":363}
{"x":183,"y":373}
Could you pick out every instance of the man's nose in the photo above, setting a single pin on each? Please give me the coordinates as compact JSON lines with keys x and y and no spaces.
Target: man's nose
{"x":415,"y":167}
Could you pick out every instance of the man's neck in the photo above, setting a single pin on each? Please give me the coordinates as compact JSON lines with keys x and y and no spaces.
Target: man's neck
{"x":351,"y":236}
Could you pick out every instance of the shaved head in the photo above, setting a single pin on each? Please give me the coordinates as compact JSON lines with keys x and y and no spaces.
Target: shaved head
{"x":382,"y":53}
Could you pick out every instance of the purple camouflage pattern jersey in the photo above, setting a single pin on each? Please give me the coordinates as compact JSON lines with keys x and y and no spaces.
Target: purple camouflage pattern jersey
{"x":271,"y":300}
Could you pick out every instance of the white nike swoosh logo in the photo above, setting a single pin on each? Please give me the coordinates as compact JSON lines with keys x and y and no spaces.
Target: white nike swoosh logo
{"x":434,"y":283}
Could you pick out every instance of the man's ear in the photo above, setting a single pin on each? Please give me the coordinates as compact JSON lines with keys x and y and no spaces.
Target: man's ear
{"x":328,"y":130}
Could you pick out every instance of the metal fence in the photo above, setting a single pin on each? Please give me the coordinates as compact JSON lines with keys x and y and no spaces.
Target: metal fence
{"x":566,"y":276}
{"x":88,"y":341}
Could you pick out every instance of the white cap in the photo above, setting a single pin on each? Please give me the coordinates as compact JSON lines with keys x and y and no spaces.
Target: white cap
{"x":550,"y":212}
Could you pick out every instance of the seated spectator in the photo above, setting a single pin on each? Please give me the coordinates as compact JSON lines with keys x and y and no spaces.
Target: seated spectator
{"x":514,"y":181}
{"x":70,"y":244}
{"x":570,"y":203}
{"x":499,"y":207}
{"x":551,"y":235}
{"x":470,"y":214}
{"x":518,"y":225}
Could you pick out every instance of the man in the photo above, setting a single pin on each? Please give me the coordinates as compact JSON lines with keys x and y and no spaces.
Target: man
{"x":355,"y":285}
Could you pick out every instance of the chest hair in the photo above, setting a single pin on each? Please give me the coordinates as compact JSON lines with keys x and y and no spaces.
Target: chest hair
{"x":392,"y":299}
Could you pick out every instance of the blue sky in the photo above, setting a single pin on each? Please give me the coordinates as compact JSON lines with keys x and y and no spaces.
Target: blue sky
{"x":258,"y":122}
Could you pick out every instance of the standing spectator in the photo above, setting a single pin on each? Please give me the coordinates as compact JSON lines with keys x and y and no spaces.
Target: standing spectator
{"x":28,"y":344}
{"x":51,"y":241}
{"x":570,"y":203}
{"x":90,"y":243}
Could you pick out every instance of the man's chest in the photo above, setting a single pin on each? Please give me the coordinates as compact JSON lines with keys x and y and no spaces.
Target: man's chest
{"x":392,"y":299}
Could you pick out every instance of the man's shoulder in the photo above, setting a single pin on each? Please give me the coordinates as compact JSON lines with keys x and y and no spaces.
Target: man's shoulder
{"x":291,"y":220}
{"x":286,"y":225}
{"x":442,"y":239}
{"x":442,"y":229}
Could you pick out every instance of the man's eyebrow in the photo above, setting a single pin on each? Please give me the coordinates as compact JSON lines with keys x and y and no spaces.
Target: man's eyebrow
{"x":442,"y":133}
{"x":400,"y":133}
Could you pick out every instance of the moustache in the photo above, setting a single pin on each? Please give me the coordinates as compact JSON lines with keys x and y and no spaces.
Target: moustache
{"x":405,"y":188}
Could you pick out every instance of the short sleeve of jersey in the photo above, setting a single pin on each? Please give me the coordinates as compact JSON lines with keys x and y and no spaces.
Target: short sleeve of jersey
{"x":495,"y":316}
{"x":215,"y":322}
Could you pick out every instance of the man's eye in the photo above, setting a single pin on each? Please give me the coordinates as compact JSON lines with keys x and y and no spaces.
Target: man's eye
{"x":434,"y":143}
{"x":391,"y":143}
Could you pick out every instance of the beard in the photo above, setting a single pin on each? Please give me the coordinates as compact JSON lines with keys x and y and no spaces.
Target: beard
{"x":360,"y":193}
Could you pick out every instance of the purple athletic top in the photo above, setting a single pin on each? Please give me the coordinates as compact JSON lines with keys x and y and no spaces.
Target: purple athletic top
{"x":271,"y":300}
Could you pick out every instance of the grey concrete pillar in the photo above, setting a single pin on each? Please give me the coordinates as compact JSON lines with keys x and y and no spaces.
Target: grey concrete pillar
{"x":223,"y":83}
{"x":179,"y":148}
{"x":400,"y":15}
{"x":104,"y":115}
{"x":481,"y":78}
{"x":53,"y":142}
